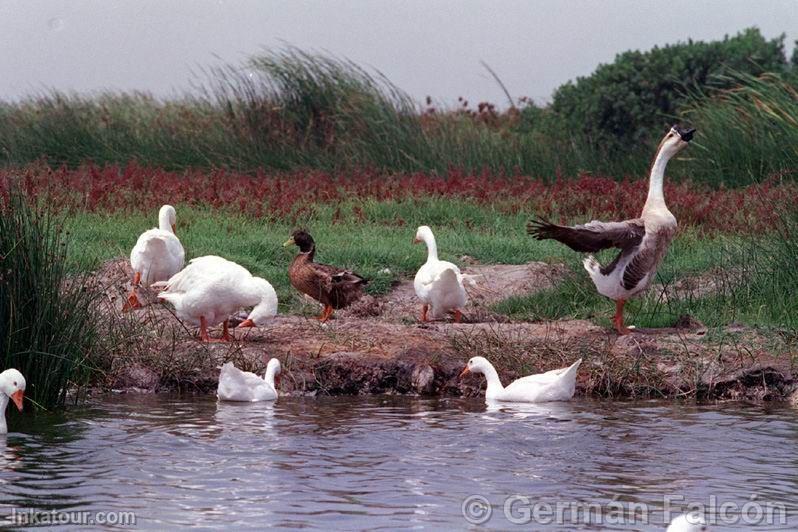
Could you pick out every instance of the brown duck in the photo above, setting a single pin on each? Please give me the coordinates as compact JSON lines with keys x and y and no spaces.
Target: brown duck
{"x":332,"y":287}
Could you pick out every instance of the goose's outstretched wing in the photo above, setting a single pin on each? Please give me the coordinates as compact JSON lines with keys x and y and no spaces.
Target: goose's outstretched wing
{"x":590,"y":237}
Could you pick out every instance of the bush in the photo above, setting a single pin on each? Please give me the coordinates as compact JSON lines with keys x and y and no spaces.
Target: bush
{"x":46,"y":322}
{"x":637,"y":96}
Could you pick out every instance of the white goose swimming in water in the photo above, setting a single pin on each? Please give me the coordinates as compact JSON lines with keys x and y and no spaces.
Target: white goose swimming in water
{"x":237,"y":385}
{"x":157,"y":255}
{"x":643,"y":241}
{"x":12,"y":386}
{"x":554,"y":385}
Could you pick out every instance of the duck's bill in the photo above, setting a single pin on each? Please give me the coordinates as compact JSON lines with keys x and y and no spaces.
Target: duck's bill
{"x":18,"y":397}
{"x":289,"y":242}
{"x":464,"y":372}
{"x":246,"y":323}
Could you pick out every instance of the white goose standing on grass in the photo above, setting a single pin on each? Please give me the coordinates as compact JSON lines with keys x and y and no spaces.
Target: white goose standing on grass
{"x":157,"y":255}
{"x":643,"y":241}
{"x":210,"y":289}
{"x":554,"y":385}
{"x":237,"y":385}
{"x":12,"y":386}
{"x":438,"y":283}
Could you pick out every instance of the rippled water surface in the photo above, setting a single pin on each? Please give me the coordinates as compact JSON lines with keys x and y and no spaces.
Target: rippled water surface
{"x":389,"y":462}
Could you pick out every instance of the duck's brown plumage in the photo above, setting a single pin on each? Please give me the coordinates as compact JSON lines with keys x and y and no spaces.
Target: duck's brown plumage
{"x":331,"y":286}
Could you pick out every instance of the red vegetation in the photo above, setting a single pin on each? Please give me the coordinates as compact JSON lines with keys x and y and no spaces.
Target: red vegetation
{"x":111,"y":188}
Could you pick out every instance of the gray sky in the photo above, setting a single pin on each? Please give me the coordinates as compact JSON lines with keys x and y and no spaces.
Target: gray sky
{"x":429,"y":47}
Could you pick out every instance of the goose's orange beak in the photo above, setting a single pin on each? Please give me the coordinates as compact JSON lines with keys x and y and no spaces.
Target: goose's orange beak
{"x":18,"y":397}
{"x":276,"y":381}
{"x":246,"y":323}
{"x":465,"y":372}
{"x":416,"y":240}
{"x":174,"y":228}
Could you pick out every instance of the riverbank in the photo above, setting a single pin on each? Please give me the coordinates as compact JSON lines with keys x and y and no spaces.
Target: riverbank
{"x":379,"y":346}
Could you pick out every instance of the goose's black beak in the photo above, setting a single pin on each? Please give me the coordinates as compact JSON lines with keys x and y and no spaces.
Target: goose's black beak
{"x":685,"y":133}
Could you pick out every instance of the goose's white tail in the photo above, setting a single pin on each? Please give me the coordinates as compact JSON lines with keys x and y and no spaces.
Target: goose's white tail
{"x":447,"y":293}
{"x":569,"y":377}
{"x":571,"y":371}
{"x":155,"y":246}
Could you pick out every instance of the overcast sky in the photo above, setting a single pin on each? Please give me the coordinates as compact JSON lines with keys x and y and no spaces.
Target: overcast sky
{"x":426,"y":47}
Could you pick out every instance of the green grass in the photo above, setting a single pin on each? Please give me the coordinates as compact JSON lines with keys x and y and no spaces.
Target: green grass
{"x":753,"y":283}
{"x":367,"y":246}
{"x":288,"y":110}
{"x":749,"y":132}
{"x":381,"y":238}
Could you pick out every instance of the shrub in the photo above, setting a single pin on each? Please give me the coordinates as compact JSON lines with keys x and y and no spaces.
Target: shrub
{"x":638,"y":94}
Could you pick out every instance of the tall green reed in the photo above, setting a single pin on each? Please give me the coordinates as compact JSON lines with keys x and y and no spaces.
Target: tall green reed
{"x":47,"y":326}
{"x":747,"y":133}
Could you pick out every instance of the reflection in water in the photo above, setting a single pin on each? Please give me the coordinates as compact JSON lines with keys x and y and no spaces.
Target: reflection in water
{"x":388,"y":461}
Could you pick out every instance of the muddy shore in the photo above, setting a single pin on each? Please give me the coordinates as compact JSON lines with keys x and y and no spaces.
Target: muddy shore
{"x":379,"y":346}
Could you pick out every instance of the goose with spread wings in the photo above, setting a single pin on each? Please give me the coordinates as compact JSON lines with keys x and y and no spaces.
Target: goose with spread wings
{"x":642,"y":241}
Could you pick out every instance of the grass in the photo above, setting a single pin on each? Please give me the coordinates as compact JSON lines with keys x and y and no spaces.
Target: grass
{"x":372,"y":240}
{"x":288,"y":110}
{"x":367,"y":246}
{"x":46,"y":322}
{"x":748,"y":132}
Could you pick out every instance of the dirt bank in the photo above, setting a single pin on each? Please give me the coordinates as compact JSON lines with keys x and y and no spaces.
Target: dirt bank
{"x":380,"y":347}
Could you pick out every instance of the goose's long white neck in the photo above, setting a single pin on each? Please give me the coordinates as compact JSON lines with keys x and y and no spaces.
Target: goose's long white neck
{"x":164,"y":224}
{"x":494,"y":383}
{"x":3,"y":405}
{"x":432,"y":248}
{"x":656,"y":196}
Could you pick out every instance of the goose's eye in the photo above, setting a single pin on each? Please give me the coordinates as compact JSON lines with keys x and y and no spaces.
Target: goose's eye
{"x":15,"y":383}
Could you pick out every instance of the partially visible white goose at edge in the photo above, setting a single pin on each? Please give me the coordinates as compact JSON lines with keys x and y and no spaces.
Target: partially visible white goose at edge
{"x":237,"y":385}
{"x":554,"y":385}
{"x":691,"y":522}
{"x":12,"y":386}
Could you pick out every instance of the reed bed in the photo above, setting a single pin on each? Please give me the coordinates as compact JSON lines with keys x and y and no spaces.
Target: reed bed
{"x":46,"y":315}
{"x":289,"y":110}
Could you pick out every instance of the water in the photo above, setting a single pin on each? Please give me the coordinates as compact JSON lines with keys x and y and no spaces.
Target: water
{"x":392,"y":462}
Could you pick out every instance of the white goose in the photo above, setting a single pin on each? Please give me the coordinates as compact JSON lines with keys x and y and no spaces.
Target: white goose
{"x":554,"y":385}
{"x":643,"y":241}
{"x":12,"y":386}
{"x":210,"y":289}
{"x":157,"y":255}
{"x":438,"y":283}
{"x":237,"y":385}
{"x":692,"y":522}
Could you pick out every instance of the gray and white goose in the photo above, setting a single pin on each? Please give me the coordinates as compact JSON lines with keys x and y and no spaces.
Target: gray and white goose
{"x":643,"y":241}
